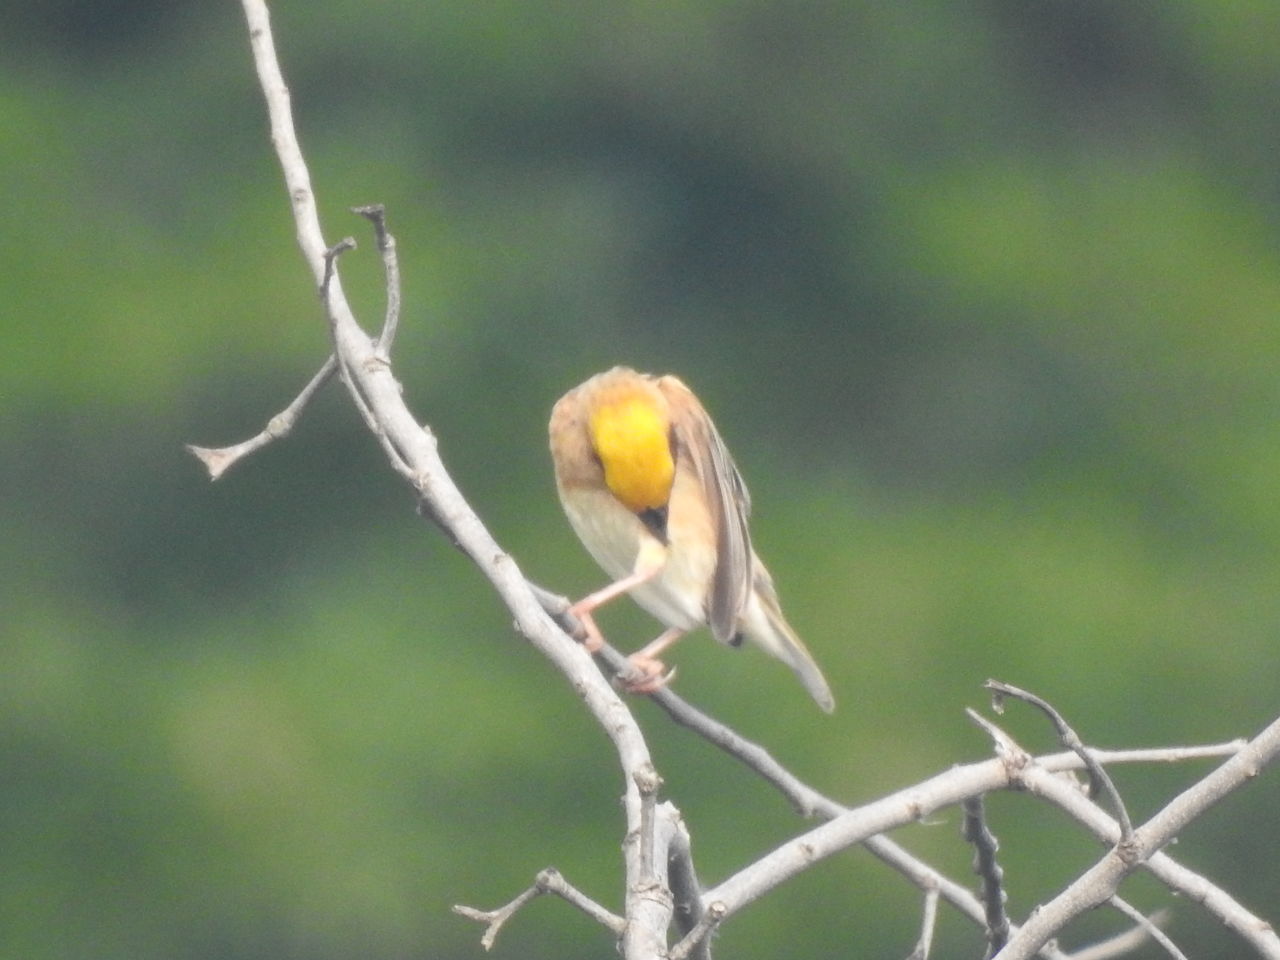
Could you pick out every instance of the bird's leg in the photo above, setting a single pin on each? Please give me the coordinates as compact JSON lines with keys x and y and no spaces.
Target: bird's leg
{"x":649,"y":562}
{"x":648,"y":673}
{"x":594,"y":639}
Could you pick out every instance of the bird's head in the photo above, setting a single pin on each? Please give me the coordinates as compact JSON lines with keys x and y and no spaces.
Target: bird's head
{"x":629,"y":426}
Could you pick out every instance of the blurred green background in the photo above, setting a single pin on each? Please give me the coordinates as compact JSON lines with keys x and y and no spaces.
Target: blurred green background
{"x":983,"y":297}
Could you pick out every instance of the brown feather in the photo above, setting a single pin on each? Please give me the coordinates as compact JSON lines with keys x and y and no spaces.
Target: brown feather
{"x":698,"y":442}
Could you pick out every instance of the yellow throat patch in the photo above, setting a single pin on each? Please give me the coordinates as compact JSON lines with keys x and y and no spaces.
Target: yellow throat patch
{"x":630,"y":438}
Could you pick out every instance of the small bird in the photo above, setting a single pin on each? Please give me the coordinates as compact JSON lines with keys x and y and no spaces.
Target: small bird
{"x":652,"y":493}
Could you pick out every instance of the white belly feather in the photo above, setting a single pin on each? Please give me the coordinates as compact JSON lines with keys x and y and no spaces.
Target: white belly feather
{"x":612,"y":535}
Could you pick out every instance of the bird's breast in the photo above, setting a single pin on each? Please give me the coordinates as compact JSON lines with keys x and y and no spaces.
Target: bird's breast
{"x":613,"y":536}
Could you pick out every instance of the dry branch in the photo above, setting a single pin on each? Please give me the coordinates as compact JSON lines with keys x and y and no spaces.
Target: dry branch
{"x":373,"y":388}
{"x":1098,"y":775}
{"x":661,"y":886}
{"x":985,"y":846}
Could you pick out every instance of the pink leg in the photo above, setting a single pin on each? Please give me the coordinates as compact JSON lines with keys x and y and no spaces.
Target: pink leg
{"x":648,"y":672}
{"x":594,"y":639}
{"x":593,"y":601}
{"x":651,"y":650}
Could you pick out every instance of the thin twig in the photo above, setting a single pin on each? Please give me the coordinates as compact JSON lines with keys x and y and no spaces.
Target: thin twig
{"x":701,"y":931}
{"x":928,"y":923}
{"x":1100,"y":881}
{"x":1125,"y":942}
{"x":1099,"y":777}
{"x":331,"y":265}
{"x":494,"y":920}
{"x":1006,"y":748}
{"x":353,"y":386}
{"x":552,"y":881}
{"x":1149,"y":926}
{"x":376,"y":214}
{"x":1042,"y":778}
{"x":218,"y":460}
{"x":549,"y":880}
{"x":804,"y":798}
{"x":985,"y":847}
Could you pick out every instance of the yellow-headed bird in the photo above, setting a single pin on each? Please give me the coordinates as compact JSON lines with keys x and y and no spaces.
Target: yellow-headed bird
{"x":653,"y":494}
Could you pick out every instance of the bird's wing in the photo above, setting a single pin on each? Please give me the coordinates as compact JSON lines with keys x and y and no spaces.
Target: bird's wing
{"x":728,"y":501}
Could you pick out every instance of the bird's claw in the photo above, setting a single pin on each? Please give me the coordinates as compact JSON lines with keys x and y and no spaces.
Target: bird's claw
{"x":647,"y":675}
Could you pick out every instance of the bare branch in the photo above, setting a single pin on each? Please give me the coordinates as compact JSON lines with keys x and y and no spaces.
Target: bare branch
{"x":1044,"y":783}
{"x":855,"y":826}
{"x":1208,"y":751}
{"x":701,"y":931}
{"x":648,"y":783}
{"x":1121,"y":943}
{"x":331,"y":256}
{"x":928,"y":922}
{"x":654,"y":829}
{"x":649,"y":903}
{"x":1006,"y":749}
{"x":417,"y":459}
{"x":686,"y":890}
{"x":1148,"y":926}
{"x":495,"y":920}
{"x":549,"y":880}
{"x":989,"y":872}
{"x":552,"y":881}
{"x":1097,"y":775}
{"x":918,"y":802}
{"x":808,"y":800}
{"x":218,"y":460}
{"x":376,"y":214}
{"x":1042,"y":778}
{"x":285,"y":140}
{"x":1099,"y":883}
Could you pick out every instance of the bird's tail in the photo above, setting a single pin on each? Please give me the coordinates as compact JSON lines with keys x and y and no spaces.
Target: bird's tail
{"x":765,"y":626}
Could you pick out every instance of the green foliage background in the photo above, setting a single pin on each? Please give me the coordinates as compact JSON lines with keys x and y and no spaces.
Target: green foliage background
{"x":983,"y":297}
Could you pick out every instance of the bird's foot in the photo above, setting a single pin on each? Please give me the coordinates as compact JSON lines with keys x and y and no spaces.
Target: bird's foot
{"x":647,"y":674}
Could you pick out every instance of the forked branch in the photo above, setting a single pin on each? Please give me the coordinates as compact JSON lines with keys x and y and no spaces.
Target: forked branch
{"x":661,"y":884}
{"x":549,"y":880}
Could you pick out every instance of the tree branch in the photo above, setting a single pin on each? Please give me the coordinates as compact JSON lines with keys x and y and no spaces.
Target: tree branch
{"x":928,"y":922}
{"x":811,"y":802}
{"x":656,"y":843}
{"x":1071,"y":740}
{"x":373,"y":384}
{"x":985,"y":845}
{"x":549,"y":880}
{"x":1148,"y":926}
{"x":376,"y":214}
{"x":1122,"y":943}
{"x":1100,"y":882}
{"x":218,"y":460}
{"x":686,"y":892}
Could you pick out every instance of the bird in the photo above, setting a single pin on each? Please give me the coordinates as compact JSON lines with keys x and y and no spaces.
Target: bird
{"x":651,"y":490}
